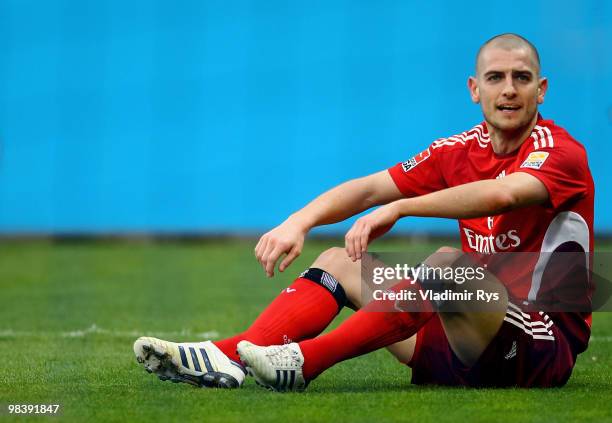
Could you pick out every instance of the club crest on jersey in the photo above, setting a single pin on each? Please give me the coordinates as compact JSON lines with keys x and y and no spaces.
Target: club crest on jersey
{"x":535,"y":160}
{"x":424,"y":155}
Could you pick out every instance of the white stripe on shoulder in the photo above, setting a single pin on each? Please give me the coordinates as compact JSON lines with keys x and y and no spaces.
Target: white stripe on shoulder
{"x":543,"y":137}
{"x":550,"y":137}
{"x":476,"y":133}
{"x":538,"y":138}
{"x":447,"y":142}
{"x":482,"y":138}
{"x":480,"y":130}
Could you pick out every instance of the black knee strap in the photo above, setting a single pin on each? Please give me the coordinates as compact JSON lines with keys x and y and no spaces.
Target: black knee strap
{"x":327,"y":281}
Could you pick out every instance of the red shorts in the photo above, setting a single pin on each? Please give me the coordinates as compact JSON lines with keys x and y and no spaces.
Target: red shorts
{"x":528,"y":351}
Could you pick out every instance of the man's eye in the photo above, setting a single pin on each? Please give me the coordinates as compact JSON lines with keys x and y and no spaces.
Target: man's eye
{"x":493,"y":78}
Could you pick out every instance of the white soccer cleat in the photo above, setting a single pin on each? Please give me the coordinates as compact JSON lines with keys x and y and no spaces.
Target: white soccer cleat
{"x":278,"y":367}
{"x":197,"y":363}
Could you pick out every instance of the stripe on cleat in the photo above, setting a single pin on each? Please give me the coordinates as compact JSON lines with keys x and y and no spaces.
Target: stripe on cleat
{"x":183,"y":356}
{"x":292,"y":380}
{"x":239,"y":366}
{"x":285,"y":375}
{"x":277,"y":378}
{"x":196,"y":362}
{"x":209,"y":366}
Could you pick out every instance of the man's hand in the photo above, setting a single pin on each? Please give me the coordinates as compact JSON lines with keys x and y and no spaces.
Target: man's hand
{"x":287,"y":238}
{"x":333,"y":206}
{"x":368,"y":228}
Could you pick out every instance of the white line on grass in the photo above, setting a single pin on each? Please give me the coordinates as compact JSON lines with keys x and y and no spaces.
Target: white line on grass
{"x":95,"y":330}
{"x":601,"y":339}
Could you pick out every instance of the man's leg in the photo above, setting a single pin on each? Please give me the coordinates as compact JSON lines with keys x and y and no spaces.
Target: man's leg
{"x":469,"y":333}
{"x":469,"y":329}
{"x":305,"y":309}
{"x":348,"y":273}
{"x":364,"y":331}
{"x":301,"y":311}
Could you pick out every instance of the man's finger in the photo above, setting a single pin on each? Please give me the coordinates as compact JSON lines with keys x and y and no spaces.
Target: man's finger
{"x":364,"y":241}
{"x":348,"y":244}
{"x":271,"y":261}
{"x":356,"y":249}
{"x":358,"y":246}
{"x":269,"y":248}
{"x":259,"y":242}
{"x":289,"y":259}
{"x":358,"y":235}
{"x":261,"y":250}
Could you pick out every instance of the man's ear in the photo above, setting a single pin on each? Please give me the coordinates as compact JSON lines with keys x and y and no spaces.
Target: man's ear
{"x":542,"y":88}
{"x":473,"y":87}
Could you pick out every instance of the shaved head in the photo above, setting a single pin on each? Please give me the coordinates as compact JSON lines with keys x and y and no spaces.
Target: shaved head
{"x":509,"y":41}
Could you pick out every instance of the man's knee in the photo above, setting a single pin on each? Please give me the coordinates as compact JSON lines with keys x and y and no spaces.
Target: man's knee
{"x":403,"y":350}
{"x":444,"y":256}
{"x":446,"y":249}
{"x":449,"y":254}
{"x":337,"y":263}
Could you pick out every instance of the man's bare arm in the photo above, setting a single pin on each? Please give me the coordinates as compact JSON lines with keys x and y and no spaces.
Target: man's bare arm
{"x":478,"y":199}
{"x":335,"y":205}
{"x":475,"y":199}
{"x":348,"y":199}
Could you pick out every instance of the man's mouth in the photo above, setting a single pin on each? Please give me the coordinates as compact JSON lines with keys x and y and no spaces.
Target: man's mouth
{"x":508,"y":108}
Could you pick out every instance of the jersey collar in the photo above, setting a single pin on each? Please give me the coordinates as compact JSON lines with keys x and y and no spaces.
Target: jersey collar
{"x":539,"y":121}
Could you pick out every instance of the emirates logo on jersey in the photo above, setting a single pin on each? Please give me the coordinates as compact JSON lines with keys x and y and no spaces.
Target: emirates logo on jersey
{"x":491,"y":244}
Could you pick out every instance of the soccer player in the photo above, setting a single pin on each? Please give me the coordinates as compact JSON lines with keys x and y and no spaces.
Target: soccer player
{"x":516,"y":182}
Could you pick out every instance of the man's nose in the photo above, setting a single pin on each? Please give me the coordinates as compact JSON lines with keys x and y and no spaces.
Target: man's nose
{"x":509,"y":88}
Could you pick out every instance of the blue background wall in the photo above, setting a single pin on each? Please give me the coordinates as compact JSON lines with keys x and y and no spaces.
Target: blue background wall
{"x":225,"y":116}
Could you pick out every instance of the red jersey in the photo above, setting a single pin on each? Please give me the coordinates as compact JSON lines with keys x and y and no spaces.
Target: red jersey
{"x":551,"y":155}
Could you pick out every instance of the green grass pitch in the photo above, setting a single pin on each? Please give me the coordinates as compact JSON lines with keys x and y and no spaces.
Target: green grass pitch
{"x":69,"y":313}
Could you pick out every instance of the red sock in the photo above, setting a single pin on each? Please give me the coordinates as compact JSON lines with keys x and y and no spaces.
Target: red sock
{"x":361,"y":333}
{"x":301,"y":311}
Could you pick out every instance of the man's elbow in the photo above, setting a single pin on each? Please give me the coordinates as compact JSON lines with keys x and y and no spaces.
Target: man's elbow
{"x":378,"y":189}
{"x":503,"y":201}
{"x":518,"y":190}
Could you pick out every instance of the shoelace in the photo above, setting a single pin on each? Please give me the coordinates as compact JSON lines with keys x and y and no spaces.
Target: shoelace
{"x":283,"y":356}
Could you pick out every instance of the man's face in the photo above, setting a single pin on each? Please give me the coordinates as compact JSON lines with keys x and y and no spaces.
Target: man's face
{"x":508,"y":87}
